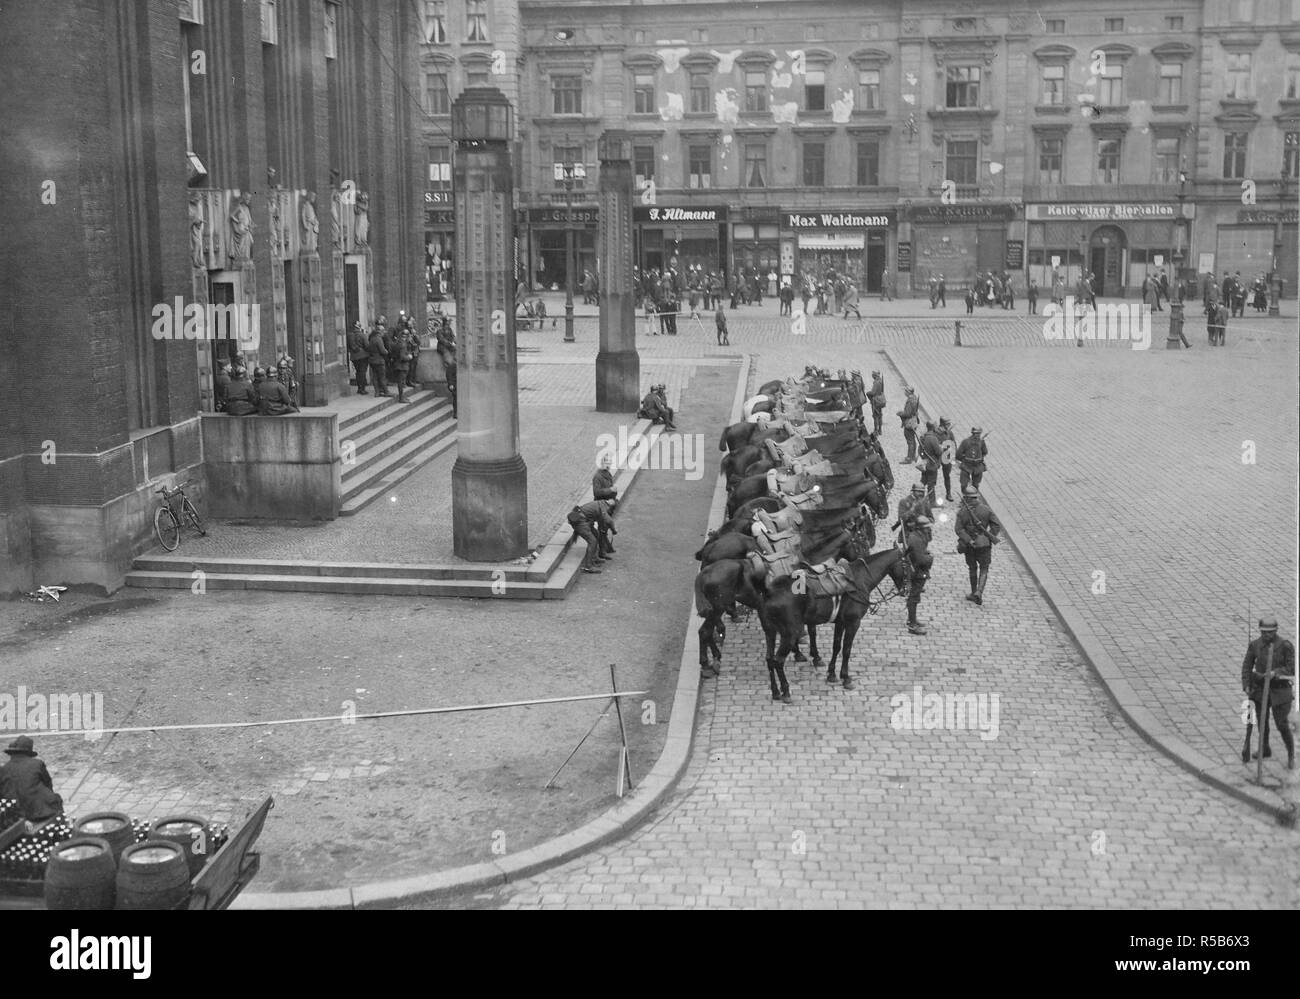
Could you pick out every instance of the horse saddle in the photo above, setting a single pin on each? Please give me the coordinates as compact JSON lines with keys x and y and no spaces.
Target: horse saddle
{"x":777,"y":565}
{"x":783,"y":483}
{"x":806,"y":500}
{"x":817,"y":468}
{"x":774,"y":543}
{"x":784,"y":519}
{"x":827,"y":579}
{"x":830,"y":417}
{"x":783,"y":452}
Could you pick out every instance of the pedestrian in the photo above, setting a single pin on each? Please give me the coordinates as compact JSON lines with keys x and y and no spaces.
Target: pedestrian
{"x":1217,"y":322}
{"x":885,"y":291}
{"x":1164,"y":287}
{"x":1272,"y":658}
{"x":877,"y":399}
{"x":241,"y":397}
{"x":970,"y":455}
{"x":934,"y":292}
{"x":907,"y":415}
{"x":970,"y":301}
{"x":943,"y":292}
{"x":932,"y":453}
{"x":413,"y":344}
{"x":401,"y":357}
{"x":26,"y":780}
{"x":1031,"y":293}
{"x":359,"y":353}
{"x":947,"y":446}
{"x":1259,"y":288}
{"x":978,"y":530}
{"x":379,"y":361}
{"x":720,"y":321}
{"x":1238,"y":295}
{"x":916,"y":549}
{"x":586,"y":520}
{"x":786,"y":295}
{"x":851,"y":300}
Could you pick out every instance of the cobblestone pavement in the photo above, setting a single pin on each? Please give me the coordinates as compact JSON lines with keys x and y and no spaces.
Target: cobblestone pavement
{"x":832,"y":802}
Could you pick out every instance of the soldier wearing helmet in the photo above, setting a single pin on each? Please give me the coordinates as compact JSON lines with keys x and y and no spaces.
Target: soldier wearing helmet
{"x":970,"y":454}
{"x":978,"y":530}
{"x":916,"y":549}
{"x":1273,"y":658}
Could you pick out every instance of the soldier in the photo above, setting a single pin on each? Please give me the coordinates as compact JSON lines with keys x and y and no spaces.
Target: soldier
{"x":947,"y":447}
{"x":402,"y":355}
{"x":273,"y":397}
{"x":932,"y":453}
{"x":971,"y":453}
{"x":241,"y":399}
{"x":916,"y":548}
{"x":359,"y":354}
{"x":911,"y":506}
{"x":413,"y":341}
{"x":379,"y":361}
{"x":720,"y":322}
{"x":877,"y":466}
{"x":220,"y":385}
{"x":602,"y":488}
{"x":587,"y":520}
{"x":877,"y":397}
{"x":908,"y":417}
{"x":1273,"y":657}
{"x":978,"y":530}
{"x":654,"y":407}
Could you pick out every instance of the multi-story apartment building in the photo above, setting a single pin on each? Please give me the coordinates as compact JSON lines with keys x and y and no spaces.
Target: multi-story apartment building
{"x":921,"y":137}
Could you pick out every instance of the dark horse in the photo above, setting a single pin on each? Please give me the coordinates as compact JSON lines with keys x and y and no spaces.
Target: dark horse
{"x":717,"y":588}
{"x":788,"y":613}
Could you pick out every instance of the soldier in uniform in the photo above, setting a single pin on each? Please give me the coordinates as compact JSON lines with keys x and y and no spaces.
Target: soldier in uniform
{"x":379,"y":361}
{"x":932,"y":453}
{"x":602,"y":488}
{"x":877,"y":397}
{"x":910,"y":507}
{"x":947,"y":447}
{"x":359,"y":354}
{"x":978,"y":530}
{"x":1269,"y":653}
{"x":971,"y":453}
{"x":916,"y":549}
{"x":909,"y":419}
{"x":588,"y":521}
{"x":877,"y":465}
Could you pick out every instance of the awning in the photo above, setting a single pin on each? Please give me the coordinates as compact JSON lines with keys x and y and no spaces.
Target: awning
{"x":832,"y":240}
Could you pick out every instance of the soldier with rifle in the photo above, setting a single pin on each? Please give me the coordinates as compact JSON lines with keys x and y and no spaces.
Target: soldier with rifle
{"x":1268,"y":673}
{"x":978,"y":530}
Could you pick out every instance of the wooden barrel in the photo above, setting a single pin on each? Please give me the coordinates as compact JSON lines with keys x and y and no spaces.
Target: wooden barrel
{"x":152,"y":875}
{"x":112,"y":827}
{"x":190,"y":833}
{"x":81,"y":874}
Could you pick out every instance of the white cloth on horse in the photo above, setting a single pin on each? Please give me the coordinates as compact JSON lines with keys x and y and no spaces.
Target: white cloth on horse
{"x":754,"y":401}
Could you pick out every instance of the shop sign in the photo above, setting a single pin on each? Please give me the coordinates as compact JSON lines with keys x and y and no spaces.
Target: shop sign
{"x":1261,"y":215}
{"x":437,"y":197}
{"x":904,"y":257}
{"x":661,"y":214}
{"x":839,"y":219}
{"x":439,"y":216}
{"x":961,"y":213}
{"x":582,"y":215}
{"x":1015,"y":259}
{"x":1103,"y":212}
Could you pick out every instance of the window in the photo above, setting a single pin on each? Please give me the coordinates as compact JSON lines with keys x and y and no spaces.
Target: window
{"x":700,"y":161}
{"x":269,"y":33}
{"x":435,"y":22}
{"x":963,"y":90}
{"x":700,"y":35}
{"x":1171,"y":83}
{"x":643,"y":165}
{"x":1234,"y":156}
{"x":868,"y":163}
{"x":701,"y":97}
{"x":962,"y":166}
{"x":1291,"y":155}
{"x":1292,"y":77}
{"x":1115,"y":24}
{"x":1053,"y":85}
{"x":1055,"y":25}
{"x":187,"y":97}
{"x":192,"y":11}
{"x":755,"y":164}
{"x":476,"y":26}
{"x":437,"y":99}
{"x":643,"y":93}
{"x":638,"y":37}
{"x":872,"y":30}
{"x":1239,"y":75}
{"x":566,"y":93}
{"x":755,"y":90}
{"x":814,"y":90}
{"x":331,"y":30}
{"x":1241,"y":11}
{"x":1168,"y":159}
{"x":1174,"y":23}
{"x":1110,"y":89}
{"x":571,"y":156}
{"x":1051,"y":156}
{"x":440,"y":168}
{"x":1108,"y":161}
{"x":869,"y":89}
{"x":812,"y":32}
{"x":814,"y":164}
{"x":753,"y":33}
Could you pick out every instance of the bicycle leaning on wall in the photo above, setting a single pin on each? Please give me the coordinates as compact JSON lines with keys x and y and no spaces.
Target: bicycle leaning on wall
{"x":175,"y":509}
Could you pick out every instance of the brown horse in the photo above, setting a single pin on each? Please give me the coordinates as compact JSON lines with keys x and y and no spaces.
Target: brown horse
{"x":717,"y":588}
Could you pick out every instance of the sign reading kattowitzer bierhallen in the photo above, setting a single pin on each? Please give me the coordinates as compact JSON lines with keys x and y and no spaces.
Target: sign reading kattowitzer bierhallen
{"x":835,"y":219}
{"x":1104,"y":212}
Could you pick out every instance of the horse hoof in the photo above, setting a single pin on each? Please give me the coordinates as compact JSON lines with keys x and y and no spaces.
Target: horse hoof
{"x":848,"y":683}
{"x":818,"y":664}
{"x":799,"y":657}
{"x":830,"y":677}
{"x":786,"y":698}
{"x":776,"y":697}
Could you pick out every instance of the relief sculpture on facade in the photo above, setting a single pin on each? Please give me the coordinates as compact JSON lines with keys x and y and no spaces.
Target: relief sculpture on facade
{"x":241,"y":231}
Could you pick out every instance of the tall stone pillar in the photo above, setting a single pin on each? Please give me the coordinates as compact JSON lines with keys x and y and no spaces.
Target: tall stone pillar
{"x":618,"y":366}
{"x":489,"y":482}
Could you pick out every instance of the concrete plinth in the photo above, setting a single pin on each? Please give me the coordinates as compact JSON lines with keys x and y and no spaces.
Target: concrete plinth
{"x":489,"y":509}
{"x":618,"y":368}
{"x":618,"y":381}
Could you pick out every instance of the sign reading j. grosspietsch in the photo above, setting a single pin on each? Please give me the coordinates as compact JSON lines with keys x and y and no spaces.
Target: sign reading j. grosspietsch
{"x":839,"y":220}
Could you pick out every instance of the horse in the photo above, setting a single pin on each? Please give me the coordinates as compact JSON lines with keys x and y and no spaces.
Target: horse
{"x":732,"y":545}
{"x":717,"y":588}
{"x":740,"y":459}
{"x":787,"y":613}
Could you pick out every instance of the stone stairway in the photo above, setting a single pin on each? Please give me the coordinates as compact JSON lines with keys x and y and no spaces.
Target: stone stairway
{"x":384,"y":444}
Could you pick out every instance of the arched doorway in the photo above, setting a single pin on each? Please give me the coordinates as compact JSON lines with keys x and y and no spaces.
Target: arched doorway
{"x":1108,"y":260}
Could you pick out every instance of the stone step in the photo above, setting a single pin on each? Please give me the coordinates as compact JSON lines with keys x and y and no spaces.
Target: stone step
{"x":226,"y":566}
{"x":397,"y":465}
{"x":385,"y":411}
{"x":369,"y":453}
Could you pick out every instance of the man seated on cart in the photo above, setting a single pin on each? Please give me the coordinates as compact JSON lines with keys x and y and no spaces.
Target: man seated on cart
{"x":25,"y":779}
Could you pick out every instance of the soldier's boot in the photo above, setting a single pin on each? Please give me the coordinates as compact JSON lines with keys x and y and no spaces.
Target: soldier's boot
{"x":979,"y":590}
{"x":913,"y":625}
{"x":974,"y":582}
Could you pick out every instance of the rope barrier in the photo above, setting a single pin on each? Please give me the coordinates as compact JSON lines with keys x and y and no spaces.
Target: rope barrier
{"x":335,"y":718}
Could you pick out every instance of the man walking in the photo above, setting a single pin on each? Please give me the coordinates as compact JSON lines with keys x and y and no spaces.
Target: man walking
{"x":947,"y":448}
{"x":885,"y":295}
{"x":1217,"y":322}
{"x":908,"y":417}
{"x":1273,"y":658}
{"x":971,"y":454}
{"x":1031,"y":293}
{"x":978,"y":530}
{"x":916,"y":549}
{"x":850,"y":300}
{"x":720,"y":321}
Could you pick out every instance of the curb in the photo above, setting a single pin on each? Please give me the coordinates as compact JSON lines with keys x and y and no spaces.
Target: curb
{"x":615,"y":823}
{"x":1112,"y":677}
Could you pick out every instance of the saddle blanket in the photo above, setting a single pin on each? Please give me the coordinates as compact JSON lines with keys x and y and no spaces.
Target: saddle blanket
{"x":829,"y":579}
{"x":778,"y":543}
{"x":778,"y":565}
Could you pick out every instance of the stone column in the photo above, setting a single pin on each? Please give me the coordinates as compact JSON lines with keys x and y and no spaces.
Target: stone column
{"x":489,"y":482}
{"x":618,"y":366}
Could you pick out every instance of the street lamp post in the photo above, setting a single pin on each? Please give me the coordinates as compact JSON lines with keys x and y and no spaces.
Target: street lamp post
{"x":1175,"y":338}
{"x":1275,"y":281}
{"x":568,"y":173}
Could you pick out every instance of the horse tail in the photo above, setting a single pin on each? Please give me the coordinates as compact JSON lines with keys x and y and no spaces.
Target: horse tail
{"x":722,"y":441}
{"x":702,"y":605}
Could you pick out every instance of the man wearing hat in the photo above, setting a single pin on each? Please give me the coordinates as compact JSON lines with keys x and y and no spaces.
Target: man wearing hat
{"x":907,"y":414}
{"x":877,"y":397}
{"x":359,"y":353}
{"x":932,"y":456}
{"x":947,"y":448}
{"x":1274,"y":658}
{"x":654,"y":407}
{"x":916,"y":550}
{"x":978,"y":530}
{"x":971,"y":453}
{"x":25,"y":779}
{"x":241,"y":399}
{"x":915,"y":504}
{"x":590,"y":521}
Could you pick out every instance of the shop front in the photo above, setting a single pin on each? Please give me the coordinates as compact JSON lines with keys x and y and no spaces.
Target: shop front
{"x":542,"y":231}
{"x":682,"y":237}
{"x":439,"y":245}
{"x":756,"y":248}
{"x":957,"y":242}
{"x":1246,"y":244}
{"x":856,"y":244}
{"x":1119,"y":244}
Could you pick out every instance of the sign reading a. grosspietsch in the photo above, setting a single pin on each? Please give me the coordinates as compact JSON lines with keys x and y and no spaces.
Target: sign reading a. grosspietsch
{"x":839,"y":219}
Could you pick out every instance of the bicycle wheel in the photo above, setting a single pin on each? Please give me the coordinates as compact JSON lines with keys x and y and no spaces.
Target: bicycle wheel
{"x":192,"y":515}
{"x":167,"y":528}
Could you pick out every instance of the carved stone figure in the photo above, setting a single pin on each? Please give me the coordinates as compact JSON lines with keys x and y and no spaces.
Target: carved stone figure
{"x":336,"y":225}
{"x":197,"y":224}
{"x":241,"y":230}
{"x":361,"y":232}
{"x":310,"y":224}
